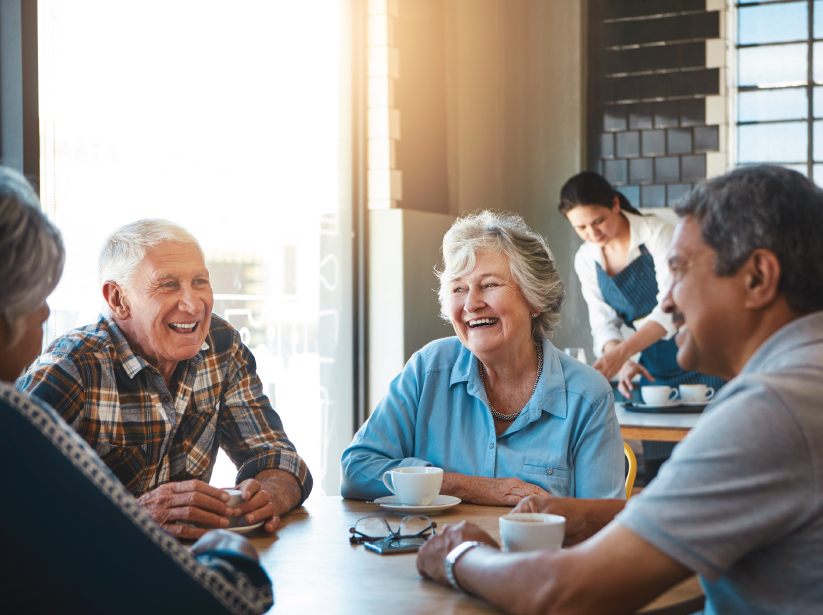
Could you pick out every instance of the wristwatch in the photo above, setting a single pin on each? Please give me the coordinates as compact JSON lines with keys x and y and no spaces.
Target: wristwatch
{"x":454,"y":555}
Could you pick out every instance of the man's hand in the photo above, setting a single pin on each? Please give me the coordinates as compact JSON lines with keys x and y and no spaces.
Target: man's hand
{"x":256,"y":505}
{"x":488,"y":491}
{"x":431,"y":558}
{"x":629,"y":370}
{"x":584,"y":517}
{"x":175,"y":505}
{"x":269,"y":495}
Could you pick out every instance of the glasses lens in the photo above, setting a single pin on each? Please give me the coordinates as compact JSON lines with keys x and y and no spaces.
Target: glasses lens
{"x":411,"y":526}
{"x":373,"y":527}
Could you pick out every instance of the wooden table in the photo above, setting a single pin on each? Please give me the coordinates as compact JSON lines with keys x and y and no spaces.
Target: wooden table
{"x":652,"y":426}
{"x":315,"y":570}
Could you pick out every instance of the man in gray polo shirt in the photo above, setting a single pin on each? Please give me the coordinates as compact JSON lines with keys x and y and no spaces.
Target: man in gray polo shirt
{"x":740,"y":502}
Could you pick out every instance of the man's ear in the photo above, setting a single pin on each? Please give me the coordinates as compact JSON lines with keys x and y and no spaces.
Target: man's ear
{"x":115,"y":298}
{"x":762,"y":278}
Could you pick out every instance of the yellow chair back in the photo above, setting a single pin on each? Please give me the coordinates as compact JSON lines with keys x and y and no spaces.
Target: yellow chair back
{"x":632,"y":469}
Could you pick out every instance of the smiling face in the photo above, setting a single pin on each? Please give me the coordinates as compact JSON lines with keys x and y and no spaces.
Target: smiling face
{"x":597,"y":224}
{"x":709,"y":309}
{"x":166,"y":311}
{"x":488,"y":312}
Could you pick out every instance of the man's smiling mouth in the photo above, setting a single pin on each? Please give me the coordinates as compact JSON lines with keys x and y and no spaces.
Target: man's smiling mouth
{"x":482,"y":322}
{"x":185,"y":328}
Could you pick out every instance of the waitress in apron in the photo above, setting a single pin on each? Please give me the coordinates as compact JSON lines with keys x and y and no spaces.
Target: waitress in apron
{"x":624,"y":274}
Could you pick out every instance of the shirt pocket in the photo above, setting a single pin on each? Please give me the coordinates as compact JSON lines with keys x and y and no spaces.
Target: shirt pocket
{"x":128,"y":463}
{"x":556,"y":480}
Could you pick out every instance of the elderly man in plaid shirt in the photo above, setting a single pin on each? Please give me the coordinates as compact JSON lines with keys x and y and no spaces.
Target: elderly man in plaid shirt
{"x":159,"y":383}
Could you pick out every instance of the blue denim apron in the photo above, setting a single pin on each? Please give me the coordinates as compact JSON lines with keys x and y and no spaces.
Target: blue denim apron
{"x":632,"y":293}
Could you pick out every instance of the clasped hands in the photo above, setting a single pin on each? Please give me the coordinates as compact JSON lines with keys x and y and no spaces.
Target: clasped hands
{"x":177,"y":505}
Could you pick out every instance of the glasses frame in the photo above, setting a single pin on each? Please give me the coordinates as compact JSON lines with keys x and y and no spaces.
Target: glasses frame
{"x":358,"y":538}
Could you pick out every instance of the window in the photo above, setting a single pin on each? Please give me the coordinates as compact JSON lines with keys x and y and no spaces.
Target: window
{"x":780,"y":82}
{"x":232,"y":120}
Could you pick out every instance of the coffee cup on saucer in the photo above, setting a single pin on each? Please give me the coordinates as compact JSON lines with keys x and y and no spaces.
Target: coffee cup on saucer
{"x":415,"y":485}
{"x":658,"y":395}
{"x":235,"y":499}
{"x":532,"y":531}
{"x":696,"y":393}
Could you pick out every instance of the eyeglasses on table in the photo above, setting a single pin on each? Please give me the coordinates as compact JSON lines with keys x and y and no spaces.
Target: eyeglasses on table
{"x":374,"y":528}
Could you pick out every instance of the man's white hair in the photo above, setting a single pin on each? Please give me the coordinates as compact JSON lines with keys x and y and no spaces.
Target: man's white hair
{"x":124,"y":250}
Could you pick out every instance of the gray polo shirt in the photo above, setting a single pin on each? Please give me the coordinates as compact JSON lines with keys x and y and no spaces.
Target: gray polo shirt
{"x":740,"y":502}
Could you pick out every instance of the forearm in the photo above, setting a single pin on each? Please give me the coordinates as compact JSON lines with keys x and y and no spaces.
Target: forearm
{"x":588,"y":517}
{"x":641,"y":339}
{"x":465,"y":487}
{"x":282,"y":487}
{"x":519,"y":583}
{"x":610,"y":345}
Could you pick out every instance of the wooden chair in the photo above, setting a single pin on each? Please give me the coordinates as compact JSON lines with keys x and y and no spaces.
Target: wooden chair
{"x":632,"y":474}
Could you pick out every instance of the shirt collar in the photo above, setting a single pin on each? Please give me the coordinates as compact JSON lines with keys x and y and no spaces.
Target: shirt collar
{"x":132,"y":363}
{"x":551,"y":388}
{"x":639,"y":228}
{"x":802,"y":331}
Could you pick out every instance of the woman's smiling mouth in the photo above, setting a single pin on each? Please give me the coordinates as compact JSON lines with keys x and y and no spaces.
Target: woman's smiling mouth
{"x":482,"y":322}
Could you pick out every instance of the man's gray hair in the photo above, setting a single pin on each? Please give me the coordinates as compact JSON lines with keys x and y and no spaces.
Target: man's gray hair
{"x":766,"y":207}
{"x":531,"y":263}
{"x":31,"y":249}
{"x":124,"y":250}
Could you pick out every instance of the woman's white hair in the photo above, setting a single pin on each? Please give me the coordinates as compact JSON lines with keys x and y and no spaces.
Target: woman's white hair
{"x":124,"y":250}
{"x":31,"y":249}
{"x":531,"y":263}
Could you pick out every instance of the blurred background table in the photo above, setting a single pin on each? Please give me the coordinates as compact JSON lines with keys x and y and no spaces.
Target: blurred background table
{"x":316,"y":570}
{"x":653,"y":426}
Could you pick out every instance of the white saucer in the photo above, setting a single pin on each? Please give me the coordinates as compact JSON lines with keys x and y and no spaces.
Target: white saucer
{"x":676,"y":402}
{"x":441,"y":503}
{"x":695,"y":403}
{"x":242,"y":529}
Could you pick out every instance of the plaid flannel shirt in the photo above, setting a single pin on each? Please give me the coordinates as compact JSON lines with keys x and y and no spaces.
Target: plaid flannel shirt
{"x":148,"y":435}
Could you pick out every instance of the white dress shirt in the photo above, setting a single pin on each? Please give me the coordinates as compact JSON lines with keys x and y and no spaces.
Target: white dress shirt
{"x":656,"y":235}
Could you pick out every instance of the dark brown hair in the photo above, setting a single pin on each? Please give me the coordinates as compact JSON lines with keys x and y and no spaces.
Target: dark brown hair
{"x":589,"y":188}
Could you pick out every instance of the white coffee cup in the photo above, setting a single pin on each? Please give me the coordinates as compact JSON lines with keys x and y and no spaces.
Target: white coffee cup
{"x":532,"y":531}
{"x":658,"y":395}
{"x":416,"y":485}
{"x":235,"y":499}
{"x":696,"y":392}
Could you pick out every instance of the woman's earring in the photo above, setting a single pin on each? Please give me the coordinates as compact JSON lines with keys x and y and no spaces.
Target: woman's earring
{"x":534,"y":314}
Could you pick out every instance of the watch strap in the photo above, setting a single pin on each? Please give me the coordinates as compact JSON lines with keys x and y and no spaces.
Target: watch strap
{"x":454,"y":555}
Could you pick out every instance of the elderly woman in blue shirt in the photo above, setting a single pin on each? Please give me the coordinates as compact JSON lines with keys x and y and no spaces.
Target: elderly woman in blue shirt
{"x":497,"y":407}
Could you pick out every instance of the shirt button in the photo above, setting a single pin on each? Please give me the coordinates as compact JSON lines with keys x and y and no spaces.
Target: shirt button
{"x":491,"y":445}
{"x":166,"y":400}
{"x":549,"y":471}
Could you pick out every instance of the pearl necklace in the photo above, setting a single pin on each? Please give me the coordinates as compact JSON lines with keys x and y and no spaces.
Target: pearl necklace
{"x":511,"y":417}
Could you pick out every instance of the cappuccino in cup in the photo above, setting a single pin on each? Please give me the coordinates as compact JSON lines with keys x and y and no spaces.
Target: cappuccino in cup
{"x":532,"y":531}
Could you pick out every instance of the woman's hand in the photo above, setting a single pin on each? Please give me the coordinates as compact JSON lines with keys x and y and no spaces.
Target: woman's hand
{"x":488,"y":491}
{"x":611,"y":361}
{"x":629,"y":370}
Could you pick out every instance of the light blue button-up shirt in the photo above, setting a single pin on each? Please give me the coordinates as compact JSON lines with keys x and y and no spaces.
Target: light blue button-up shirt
{"x":436,"y":413}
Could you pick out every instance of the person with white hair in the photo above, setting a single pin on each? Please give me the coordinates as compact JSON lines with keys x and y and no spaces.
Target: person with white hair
{"x":71,"y":526}
{"x":159,"y":383}
{"x":497,"y":407}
